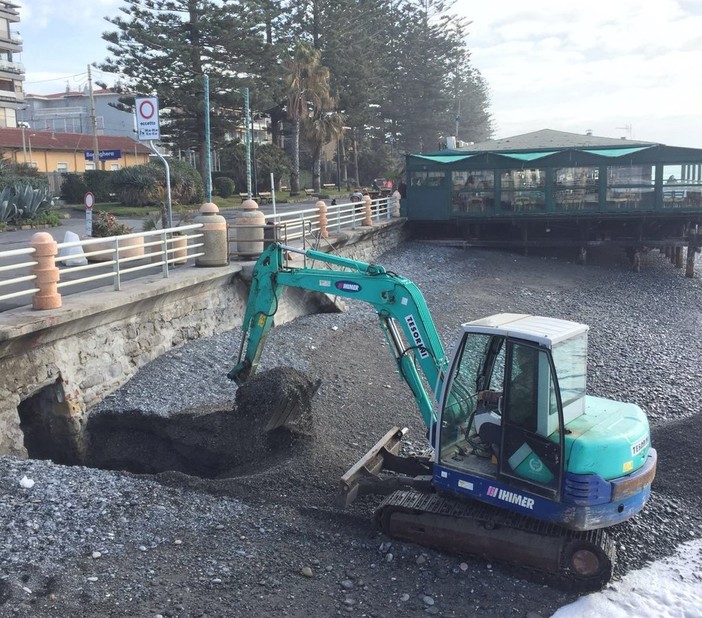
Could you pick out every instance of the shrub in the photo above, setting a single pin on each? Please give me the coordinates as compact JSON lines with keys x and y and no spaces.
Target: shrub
{"x":137,"y":186}
{"x":106,"y":224}
{"x":47,"y":218}
{"x":186,"y":183}
{"x":145,"y":185}
{"x":73,"y":188}
{"x":99,"y":183}
{"x":223,"y":186}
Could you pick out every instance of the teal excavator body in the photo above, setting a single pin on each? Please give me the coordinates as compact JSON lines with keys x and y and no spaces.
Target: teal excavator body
{"x":542,"y":448}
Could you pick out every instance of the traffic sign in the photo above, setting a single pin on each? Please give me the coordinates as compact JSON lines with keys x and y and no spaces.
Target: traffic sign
{"x":147,"y":119}
{"x":89,"y":200}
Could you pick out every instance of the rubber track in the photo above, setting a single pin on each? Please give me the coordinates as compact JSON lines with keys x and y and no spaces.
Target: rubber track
{"x":416,"y":504}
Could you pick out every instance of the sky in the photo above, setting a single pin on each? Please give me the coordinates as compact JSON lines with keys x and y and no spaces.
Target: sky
{"x":621,"y":68}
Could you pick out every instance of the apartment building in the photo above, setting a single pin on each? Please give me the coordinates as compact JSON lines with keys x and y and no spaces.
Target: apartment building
{"x":11,"y":72}
{"x":69,"y":112}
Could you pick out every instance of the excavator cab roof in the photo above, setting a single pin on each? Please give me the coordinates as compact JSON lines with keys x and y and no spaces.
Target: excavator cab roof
{"x":541,"y":330}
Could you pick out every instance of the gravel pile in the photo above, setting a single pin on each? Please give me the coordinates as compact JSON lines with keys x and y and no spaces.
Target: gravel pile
{"x":269,"y":539}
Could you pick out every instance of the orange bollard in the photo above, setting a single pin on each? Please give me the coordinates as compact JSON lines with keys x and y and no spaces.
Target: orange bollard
{"x":322,"y":207}
{"x":367,"y":210}
{"x":46,"y":271}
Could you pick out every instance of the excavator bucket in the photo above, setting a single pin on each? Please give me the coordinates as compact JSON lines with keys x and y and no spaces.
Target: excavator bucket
{"x":283,"y":394}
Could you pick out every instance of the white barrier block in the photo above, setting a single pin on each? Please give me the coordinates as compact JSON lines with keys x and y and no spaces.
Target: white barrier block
{"x":79,"y":259}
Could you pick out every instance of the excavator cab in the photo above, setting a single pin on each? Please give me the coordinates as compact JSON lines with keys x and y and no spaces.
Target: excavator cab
{"x":515,"y":417}
{"x":516,"y":433}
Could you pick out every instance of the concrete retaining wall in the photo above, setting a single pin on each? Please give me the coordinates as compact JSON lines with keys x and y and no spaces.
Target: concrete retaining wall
{"x":65,"y":361}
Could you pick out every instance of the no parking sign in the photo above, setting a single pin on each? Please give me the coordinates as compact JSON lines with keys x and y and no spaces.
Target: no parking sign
{"x":89,"y":202}
{"x":147,"y":119}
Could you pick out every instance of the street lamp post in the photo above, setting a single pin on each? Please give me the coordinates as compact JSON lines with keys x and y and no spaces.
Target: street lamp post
{"x":24,"y":143}
{"x":30,"y":147}
{"x":208,"y":154}
{"x":248,"y":141}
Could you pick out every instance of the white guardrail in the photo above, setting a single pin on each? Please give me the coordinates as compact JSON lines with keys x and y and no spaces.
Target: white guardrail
{"x":102,"y":259}
{"x":111,"y":259}
{"x":304,"y":225}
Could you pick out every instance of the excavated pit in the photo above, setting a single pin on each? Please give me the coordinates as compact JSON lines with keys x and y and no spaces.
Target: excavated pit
{"x":206,"y":443}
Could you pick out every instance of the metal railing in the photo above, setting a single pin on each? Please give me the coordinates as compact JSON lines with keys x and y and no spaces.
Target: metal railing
{"x":300,"y":226}
{"x":19,"y":270}
{"x":103,"y":259}
{"x":163,"y":248}
{"x":111,"y":259}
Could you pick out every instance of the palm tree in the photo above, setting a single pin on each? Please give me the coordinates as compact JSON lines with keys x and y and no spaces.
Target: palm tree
{"x":321,"y":128}
{"x":307,"y":85}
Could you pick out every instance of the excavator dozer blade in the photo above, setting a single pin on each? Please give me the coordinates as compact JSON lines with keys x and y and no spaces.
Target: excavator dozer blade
{"x":371,"y":464}
{"x":283,"y":393}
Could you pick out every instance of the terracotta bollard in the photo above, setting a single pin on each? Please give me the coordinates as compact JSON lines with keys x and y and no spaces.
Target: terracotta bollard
{"x":367,"y":210}
{"x":214,"y":233}
{"x":46,"y":271}
{"x":322,"y":208}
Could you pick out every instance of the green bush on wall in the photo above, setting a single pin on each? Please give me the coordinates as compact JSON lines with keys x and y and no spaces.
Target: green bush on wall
{"x":223,"y":186}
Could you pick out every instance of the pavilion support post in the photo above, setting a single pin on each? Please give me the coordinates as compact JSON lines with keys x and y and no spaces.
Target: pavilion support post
{"x":636,"y":260}
{"x":582,"y":251}
{"x":692,"y":249}
{"x":678,"y":257}
{"x":582,"y":255}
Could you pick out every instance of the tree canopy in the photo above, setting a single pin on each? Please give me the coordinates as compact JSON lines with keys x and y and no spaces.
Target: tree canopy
{"x":389,"y":76}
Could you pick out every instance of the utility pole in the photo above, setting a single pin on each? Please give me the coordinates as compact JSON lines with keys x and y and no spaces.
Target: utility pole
{"x":93,"y":118}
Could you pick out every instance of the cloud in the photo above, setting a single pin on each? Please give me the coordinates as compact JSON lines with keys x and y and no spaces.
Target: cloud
{"x":46,"y":14}
{"x":610,"y":63}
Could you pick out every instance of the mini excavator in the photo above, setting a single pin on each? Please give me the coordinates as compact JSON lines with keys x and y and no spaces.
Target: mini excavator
{"x":532,"y":475}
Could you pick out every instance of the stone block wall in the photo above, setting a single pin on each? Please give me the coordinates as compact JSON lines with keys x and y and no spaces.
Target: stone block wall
{"x":65,"y":361}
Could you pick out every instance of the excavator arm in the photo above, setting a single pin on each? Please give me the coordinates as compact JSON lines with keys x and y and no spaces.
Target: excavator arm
{"x":402,"y":313}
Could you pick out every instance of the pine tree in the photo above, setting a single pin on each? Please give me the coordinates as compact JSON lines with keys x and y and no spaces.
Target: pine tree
{"x":164,"y":48}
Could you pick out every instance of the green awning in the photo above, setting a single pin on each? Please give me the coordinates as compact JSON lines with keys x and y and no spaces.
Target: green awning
{"x":616,"y":152}
{"x":526,"y":156}
{"x":444,"y":158}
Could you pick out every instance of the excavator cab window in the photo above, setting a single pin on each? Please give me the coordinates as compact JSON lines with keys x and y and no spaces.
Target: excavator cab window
{"x":524,"y":423}
{"x":467,"y":375}
{"x":531,"y":447}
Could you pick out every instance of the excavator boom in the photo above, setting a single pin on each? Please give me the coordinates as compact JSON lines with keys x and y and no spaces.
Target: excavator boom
{"x":402,"y":312}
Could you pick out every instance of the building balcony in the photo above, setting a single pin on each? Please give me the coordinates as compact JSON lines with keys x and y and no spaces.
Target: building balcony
{"x":10,"y":42}
{"x":10,"y":96}
{"x":9,"y":11}
{"x":11,"y":70}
